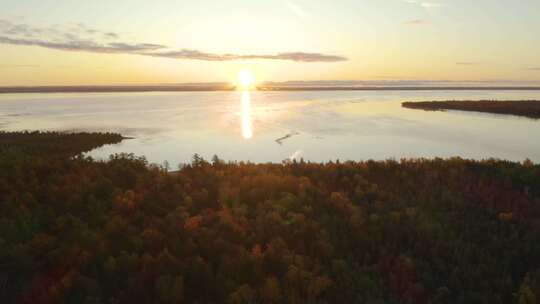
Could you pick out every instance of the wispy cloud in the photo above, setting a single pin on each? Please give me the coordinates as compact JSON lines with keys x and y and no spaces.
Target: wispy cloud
{"x":111,"y":35}
{"x":18,"y":66}
{"x":84,"y":39}
{"x":425,"y":4}
{"x":296,"y":9}
{"x":292,"y":56}
{"x":84,"y":45}
{"x":466,"y":63}
{"x":534,"y":69}
{"x":415,"y":22}
{"x":8,"y":27}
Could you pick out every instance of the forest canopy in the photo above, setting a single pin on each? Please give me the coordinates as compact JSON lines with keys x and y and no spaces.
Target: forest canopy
{"x":78,"y":230}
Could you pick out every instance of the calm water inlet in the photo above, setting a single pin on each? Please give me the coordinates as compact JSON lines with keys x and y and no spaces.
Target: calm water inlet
{"x":273,"y":126}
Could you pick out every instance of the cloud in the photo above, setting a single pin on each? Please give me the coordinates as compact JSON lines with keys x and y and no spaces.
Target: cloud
{"x":84,"y":39}
{"x":430,"y":4}
{"x":466,"y":63}
{"x":18,"y":66}
{"x":296,"y":9}
{"x":415,"y":22}
{"x":425,"y":4}
{"x":83,"y":45}
{"x":294,"y":56}
{"x":111,"y":35}
{"x":533,"y":68}
{"x":306,"y":57}
{"x":11,"y":28}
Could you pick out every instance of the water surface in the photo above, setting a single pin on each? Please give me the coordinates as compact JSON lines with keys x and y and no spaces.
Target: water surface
{"x":273,"y":126}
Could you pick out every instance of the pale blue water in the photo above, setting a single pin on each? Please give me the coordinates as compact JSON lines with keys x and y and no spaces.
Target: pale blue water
{"x":273,"y":126}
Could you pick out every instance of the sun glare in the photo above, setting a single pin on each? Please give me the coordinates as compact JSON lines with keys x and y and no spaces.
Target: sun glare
{"x":245,"y":79}
{"x":247,"y":131}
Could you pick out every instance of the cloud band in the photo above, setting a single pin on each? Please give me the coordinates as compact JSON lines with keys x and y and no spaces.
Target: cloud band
{"x":22,"y":34}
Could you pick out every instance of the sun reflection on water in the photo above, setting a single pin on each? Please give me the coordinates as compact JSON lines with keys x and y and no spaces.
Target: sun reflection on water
{"x":247,"y":131}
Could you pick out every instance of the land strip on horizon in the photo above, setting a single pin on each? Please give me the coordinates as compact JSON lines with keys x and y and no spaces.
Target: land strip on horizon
{"x":209,"y":88}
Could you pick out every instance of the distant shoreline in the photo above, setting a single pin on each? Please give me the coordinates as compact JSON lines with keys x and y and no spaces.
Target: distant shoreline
{"x":525,"y":108}
{"x":196,"y":88}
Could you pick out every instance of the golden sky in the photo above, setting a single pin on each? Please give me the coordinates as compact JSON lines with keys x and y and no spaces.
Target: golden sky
{"x":68,"y":42}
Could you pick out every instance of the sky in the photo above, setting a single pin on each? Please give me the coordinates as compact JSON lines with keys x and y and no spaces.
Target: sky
{"x":104,"y":42}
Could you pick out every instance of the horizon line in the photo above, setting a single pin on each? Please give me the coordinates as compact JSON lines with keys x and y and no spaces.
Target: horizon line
{"x":217,"y":86}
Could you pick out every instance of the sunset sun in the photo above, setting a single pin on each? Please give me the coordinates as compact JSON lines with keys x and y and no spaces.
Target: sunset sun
{"x":245,"y":79}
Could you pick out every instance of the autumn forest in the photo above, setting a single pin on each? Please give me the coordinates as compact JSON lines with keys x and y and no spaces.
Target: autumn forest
{"x":78,"y":230}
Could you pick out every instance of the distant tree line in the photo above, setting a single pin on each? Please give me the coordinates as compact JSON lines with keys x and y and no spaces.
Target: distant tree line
{"x":527,"y":108}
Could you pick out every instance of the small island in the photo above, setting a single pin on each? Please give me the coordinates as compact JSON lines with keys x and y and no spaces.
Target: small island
{"x":526,"y":108}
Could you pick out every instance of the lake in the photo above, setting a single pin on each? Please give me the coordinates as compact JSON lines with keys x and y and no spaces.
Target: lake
{"x":274,"y":126}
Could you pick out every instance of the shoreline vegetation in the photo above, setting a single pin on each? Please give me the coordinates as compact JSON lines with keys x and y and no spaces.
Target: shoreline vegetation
{"x":525,"y":108}
{"x":55,"y":144}
{"x":77,"y":230}
{"x":225,"y":87}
